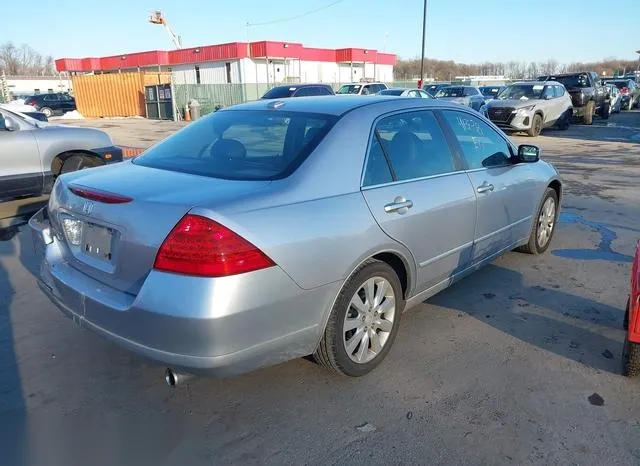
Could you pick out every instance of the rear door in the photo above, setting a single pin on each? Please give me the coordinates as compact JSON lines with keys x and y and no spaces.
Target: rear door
{"x":419,"y":195}
{"x":20,"y":166}
{"x":51,"y":101}
{"x":506,"y":191}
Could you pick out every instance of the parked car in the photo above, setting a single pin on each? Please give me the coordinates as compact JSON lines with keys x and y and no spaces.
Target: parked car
{"x":588,"y":96}
{"x":615,"y":98}
{"x":298,"y":90}
{"x":25,"y":110}
{"x":435,"y":87}
{"x":361,"y":88}
{"x":530,"y":107}
{"x":402,"y":92}
{"x":35,"y":153}
{"x":630,"y":92}
{"x":631,"y":351}
{"x":52,"y":104}
{"x":490,"y":92}
{"x":235,"y":244}
{"x":464,"y":95}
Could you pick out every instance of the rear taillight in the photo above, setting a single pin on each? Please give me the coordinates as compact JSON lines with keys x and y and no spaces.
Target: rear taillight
{"x":200,"y":246}
{"x":31,"y":102}
{"x":99,"y":196}
{"x":624,"y":90}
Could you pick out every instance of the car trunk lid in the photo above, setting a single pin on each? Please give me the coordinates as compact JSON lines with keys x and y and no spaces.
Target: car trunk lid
{"x":112,"y":220}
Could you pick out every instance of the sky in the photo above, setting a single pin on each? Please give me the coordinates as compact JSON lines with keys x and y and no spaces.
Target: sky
{"x":467,"y":31}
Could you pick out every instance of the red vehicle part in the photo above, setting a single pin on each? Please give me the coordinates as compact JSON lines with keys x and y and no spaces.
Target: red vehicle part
{"x":634,"y":300}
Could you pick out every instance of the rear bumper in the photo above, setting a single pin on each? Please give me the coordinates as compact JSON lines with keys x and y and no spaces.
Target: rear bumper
{"x":214,"y":327}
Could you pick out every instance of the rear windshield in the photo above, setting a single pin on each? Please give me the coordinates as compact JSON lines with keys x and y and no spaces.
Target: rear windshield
{"x":349,"y":89}
{"x":490,"y":91}
{"x":279,"y":92}
{"x":620,"y":84}
{"x":241,"y":144}
{"x":451,"y":92}
{"x":571,"y":81}
{"x":391,"y":92}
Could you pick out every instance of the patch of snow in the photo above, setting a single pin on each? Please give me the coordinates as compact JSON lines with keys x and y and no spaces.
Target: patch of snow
{"x":74,"y":115}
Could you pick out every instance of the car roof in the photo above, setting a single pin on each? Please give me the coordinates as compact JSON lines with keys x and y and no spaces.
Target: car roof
{"x":334,"y":105}
{"x":361,"y":84}
{"x":298,"y":86}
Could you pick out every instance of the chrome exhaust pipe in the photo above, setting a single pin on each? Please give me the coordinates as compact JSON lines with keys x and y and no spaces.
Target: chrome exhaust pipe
{"x":173,"y":378}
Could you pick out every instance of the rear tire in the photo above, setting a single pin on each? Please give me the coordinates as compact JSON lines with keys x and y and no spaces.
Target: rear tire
{"x":536,"y":126}
{"x":78,"y":162}
{"x":606,"y":111}
{"x":359,"y":332}
{"x":630,"y":358}
{"x":47,"y":111}
{"x":544,"y":225}
{"x":588,"y":113}
{"x":630,"y":105}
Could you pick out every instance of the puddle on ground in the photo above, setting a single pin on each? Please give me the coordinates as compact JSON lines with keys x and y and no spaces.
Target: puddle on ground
{"x":604,"y":250}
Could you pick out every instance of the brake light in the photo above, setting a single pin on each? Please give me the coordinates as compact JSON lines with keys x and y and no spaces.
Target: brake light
{"x":200,"y":246}
{"x":624,"y":90}
{"x":31,"y":102}
{"x":99,"y":196}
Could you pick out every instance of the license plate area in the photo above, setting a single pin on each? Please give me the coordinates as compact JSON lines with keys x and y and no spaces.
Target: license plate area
{"x":97,"y":242}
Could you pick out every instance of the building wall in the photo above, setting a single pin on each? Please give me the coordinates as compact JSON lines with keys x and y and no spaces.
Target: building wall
{"x":210,"y":73}
{"x":256,"y":70}
{"x":29,"y":86}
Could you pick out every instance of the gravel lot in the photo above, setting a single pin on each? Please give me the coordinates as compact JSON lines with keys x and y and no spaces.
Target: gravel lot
{"x":517,"y":364}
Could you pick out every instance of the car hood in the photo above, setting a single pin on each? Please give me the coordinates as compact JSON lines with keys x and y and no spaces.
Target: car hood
{"x":513,"y":103}
{"x":76,"y":131}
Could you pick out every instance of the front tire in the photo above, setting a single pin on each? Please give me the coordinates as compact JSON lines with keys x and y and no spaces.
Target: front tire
{"x":544,"y":226}
{"x":78,"y":162}
{"x":630,"y":351}
{"x":588,"y":113}
{"x":536,"y":126}
{"x":364,"y":321}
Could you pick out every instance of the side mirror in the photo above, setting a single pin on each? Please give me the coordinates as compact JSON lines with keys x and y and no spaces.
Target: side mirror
{"x":528,"y":153}
{"x":548,"y":97}
{"x":11,"y":125}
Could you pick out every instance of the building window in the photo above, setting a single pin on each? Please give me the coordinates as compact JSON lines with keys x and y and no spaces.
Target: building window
{"x":50,"y":91}
{"x":227,"y":66}
{"x":36,"y":91}
{"x":197,"y":74}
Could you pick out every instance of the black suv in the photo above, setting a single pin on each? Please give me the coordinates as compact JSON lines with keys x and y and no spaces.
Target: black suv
{"x":298,"y":90}
{"x":588,"y":95}
{"x":52,"y":103}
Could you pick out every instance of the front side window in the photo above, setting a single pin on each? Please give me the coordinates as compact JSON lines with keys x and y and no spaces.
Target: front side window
{"x":412,"y":145}
{"x":349,"y":89}
{"x":549,"y":93}
{"x":481,"y":145}
{"x":559,"y":91}
{"x":241,"y":145}
{"x":469,"y":91}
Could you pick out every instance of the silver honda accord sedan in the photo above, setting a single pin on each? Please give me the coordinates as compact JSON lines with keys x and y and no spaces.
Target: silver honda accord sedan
{"x":279,"y":229}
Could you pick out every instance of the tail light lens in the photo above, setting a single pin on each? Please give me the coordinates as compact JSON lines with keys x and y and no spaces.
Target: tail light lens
{"x":99,"y":196}
{"x":624,"y":90}
{"x":199,"y":246}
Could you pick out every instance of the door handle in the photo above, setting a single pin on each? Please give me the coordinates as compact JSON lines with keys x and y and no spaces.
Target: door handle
{"x":397,"y":205}
{"x":484,"y":187}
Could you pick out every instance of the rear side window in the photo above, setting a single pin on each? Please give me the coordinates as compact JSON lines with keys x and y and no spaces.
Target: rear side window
{"x":241,"y":144}
{"x":481,"y":145}
{"x":469,"y":91}
{"x":412,"y":144}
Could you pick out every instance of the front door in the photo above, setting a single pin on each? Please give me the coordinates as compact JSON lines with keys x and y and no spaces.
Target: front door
{"x":505,"y":191}
{"x":420,"y":196}
{"x":20,"y":167}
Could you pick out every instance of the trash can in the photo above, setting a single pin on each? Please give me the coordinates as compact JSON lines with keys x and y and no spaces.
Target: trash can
{"x":194,"y":109}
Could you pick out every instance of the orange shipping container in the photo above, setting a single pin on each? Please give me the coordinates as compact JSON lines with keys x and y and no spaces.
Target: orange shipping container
{"x":114,"y":94}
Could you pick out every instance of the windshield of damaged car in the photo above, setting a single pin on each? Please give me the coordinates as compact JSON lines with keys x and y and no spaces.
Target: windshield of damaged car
{"x":522,"y":92}
{"x":450,"y":92}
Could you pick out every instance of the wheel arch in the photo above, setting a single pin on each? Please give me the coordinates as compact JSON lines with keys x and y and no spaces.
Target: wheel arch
{"x":58,"y":160}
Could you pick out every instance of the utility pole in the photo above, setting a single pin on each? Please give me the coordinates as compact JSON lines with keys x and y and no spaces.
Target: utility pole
{"x":424,"y":38}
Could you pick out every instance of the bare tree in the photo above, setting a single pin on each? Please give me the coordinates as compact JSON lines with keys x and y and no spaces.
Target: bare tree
{"x":24,"y":60}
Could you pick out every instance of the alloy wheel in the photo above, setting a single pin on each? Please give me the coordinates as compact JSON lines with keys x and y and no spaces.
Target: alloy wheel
{"x":546,"y":222}
{"x":369,"y":320}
